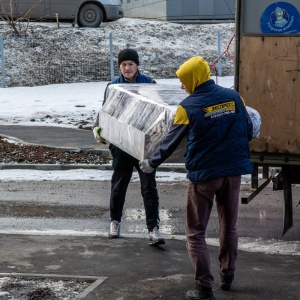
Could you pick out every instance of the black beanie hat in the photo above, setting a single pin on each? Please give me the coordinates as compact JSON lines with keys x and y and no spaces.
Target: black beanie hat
{"x":128,"y":54}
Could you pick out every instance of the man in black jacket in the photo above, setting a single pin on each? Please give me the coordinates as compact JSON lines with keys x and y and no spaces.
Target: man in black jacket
{"x":123,"y":163}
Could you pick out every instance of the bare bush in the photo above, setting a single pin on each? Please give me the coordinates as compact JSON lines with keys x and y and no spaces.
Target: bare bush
{"x":9,"y":14}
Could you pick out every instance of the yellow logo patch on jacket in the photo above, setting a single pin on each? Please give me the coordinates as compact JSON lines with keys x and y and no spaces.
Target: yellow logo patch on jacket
{"x":219,"y":110}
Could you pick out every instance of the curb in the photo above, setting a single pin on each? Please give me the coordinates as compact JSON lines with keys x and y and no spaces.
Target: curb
{"x":178,"y":168}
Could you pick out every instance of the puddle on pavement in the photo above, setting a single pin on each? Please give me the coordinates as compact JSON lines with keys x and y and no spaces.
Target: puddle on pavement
{"x":32,"y":210}
{"x":168,"y":223}
{"x":139,"y":214}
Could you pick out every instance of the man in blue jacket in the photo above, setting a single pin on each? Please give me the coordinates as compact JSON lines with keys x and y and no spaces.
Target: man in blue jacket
{"x":218,"y":130}
{"x":123,"y":163}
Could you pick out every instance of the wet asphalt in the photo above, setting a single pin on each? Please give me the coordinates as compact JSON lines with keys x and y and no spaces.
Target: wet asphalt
{"x":60,"y":228}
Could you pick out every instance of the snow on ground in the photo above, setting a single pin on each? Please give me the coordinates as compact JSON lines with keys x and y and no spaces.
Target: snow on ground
{"x":65,"y":103}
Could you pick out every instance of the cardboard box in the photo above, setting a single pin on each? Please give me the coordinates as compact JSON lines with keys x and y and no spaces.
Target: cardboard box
{"x":135,"y":117}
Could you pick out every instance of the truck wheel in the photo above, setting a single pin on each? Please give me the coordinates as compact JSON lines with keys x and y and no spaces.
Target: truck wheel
{"x":90,"y":15}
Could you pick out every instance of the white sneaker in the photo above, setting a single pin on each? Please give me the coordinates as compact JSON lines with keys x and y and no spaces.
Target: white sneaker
{"x":155,"y":237}
{"x":114,"y":230}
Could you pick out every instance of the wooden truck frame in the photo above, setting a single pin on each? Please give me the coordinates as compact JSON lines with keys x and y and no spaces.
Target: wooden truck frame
{"x":267,"y":75}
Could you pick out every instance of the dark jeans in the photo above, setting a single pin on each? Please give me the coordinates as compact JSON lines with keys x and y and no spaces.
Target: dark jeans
{"x":123,"y":165}
{"x":199,"y":204}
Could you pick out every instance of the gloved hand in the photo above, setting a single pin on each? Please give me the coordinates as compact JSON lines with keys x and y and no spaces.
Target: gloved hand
{"x":145,"y":167}
{"x":97,"y":135}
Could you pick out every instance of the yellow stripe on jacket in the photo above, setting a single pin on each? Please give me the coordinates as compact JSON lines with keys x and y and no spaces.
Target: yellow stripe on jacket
{"x":181,"y":117}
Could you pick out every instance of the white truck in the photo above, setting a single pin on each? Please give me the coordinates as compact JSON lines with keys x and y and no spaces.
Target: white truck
{"x":86,"y":13}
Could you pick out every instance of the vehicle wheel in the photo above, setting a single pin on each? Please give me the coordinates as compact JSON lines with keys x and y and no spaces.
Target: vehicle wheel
{"x":90,"y":15}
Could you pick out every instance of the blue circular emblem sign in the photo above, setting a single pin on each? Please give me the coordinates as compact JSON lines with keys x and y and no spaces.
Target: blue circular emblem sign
{"x":280,"y":18}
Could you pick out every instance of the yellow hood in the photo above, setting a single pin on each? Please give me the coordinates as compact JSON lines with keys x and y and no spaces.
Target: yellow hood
{"x":193,"y":72}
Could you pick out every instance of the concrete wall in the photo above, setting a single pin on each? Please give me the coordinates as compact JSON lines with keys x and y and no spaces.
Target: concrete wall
{"x":180,"y":9}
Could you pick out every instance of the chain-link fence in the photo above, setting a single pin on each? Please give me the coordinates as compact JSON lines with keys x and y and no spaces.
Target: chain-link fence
{"x":47,"y":55}
{"x":46,"y":59}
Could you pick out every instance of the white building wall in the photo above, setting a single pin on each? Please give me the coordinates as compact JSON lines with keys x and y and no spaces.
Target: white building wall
{"x":179,"y":9}
{"x":147,"y":9}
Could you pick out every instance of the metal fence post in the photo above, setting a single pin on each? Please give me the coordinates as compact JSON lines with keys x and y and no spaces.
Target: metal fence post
{"x":219,"y":54}
{"x":2,"y":62}
{"x":112,"y":73}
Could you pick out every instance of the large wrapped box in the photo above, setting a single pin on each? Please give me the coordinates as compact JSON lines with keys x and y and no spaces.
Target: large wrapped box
{"x":135,"y":117}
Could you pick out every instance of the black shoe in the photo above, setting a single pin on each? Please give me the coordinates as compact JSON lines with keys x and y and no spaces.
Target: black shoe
{"x":200,"y":292}
{"x":226,"y":282}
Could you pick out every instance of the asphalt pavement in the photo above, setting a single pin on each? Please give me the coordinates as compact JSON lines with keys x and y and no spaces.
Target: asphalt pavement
{"x":134,"y":270}
{"x":58,"y":137}
{"x":128,"y":268}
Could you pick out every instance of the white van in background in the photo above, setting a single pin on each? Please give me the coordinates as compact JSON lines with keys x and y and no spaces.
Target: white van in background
{"x":86,"y":13}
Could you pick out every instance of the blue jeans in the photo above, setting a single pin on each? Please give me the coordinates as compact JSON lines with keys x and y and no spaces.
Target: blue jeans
{"x":123,"y":165}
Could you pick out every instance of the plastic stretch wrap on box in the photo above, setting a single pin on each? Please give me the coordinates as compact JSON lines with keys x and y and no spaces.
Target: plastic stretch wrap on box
{"x":256,"y":121}
{"x":135,"y":117}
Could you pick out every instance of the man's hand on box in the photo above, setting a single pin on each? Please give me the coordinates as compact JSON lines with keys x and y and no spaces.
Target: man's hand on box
{"x":97,"y":135}
{"x":145,"y":167}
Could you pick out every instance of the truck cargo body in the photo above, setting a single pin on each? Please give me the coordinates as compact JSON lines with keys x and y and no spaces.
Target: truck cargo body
{"x":267,"y":75}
